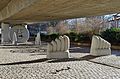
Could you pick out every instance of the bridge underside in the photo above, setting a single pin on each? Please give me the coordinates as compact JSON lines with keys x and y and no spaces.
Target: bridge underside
{"x":23,"y":11}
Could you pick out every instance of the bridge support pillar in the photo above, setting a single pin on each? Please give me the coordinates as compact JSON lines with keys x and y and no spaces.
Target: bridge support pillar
{"x":5,"y":33}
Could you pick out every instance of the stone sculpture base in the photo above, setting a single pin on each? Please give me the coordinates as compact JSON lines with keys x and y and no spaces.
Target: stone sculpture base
{"x":101,"y":52}
{"x":58,"y":55}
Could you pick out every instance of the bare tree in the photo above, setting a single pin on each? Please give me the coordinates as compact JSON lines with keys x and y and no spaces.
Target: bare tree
{"x":62,"y":27}
{"x":50,"y":30}
{"x":95,"y":23}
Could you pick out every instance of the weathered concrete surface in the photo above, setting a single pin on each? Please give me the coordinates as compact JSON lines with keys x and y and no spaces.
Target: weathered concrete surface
{"x":38,"y":10}
{"x":3,"y":3}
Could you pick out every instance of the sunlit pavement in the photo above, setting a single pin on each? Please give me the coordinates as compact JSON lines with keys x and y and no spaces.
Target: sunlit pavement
{"x":15,"y":65}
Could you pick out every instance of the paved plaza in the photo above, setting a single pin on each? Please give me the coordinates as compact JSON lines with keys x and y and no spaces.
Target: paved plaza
{"x":34,"y":65}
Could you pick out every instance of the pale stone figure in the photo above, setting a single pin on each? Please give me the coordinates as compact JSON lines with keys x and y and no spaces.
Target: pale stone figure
{"x":58,"y":41}
{"x":54,"y":46}
{"x":21,"y":32}
{"x":38,"y":39}
{"x":100,"y":46}
{"x":66,"y":42}
{"x":5,"y":33}
{"x":62,"y":43}
{"x":49,"y":47}
{"x":59,"y":47}
{"x":14,"y":40}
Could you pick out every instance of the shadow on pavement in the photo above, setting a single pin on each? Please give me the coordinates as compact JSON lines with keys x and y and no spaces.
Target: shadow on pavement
{"x":87,"y":57}
{"x":105,"y":64}
{"x":38,"y":54}
{"x":80,"y":49}
{"x":26,"y":62}
{"x":51,"y":60}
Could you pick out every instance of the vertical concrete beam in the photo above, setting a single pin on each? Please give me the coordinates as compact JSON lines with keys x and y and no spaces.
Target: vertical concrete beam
{"x":4,"y":33}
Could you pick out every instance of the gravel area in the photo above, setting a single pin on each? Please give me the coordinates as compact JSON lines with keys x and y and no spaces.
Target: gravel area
{"x":36,"y":66}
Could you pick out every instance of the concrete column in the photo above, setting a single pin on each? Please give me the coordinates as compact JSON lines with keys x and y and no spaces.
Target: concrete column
{"x":4,"y":33}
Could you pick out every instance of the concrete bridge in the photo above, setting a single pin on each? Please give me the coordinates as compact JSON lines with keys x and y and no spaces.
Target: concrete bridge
{"x":24,"y":11}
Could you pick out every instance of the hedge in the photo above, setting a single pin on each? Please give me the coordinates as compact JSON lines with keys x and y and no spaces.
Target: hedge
{"x":112,"y":35}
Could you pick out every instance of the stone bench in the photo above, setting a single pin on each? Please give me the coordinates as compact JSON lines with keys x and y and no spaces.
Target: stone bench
{"x":59,"y":48}
{"x":100,"y":46}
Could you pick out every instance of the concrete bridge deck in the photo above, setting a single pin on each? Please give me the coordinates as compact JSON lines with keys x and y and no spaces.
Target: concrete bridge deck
{"x":23,"y":11}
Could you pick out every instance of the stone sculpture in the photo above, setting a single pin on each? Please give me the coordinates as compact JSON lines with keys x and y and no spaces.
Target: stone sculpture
{"x":14,"y":41}
{"x":58,"y":41}
{"x":38,"y":39}
{"x":62,"y":43}
{"x":59,"y":48}
{"x":21,"y":32}
{"x":100,"y":46}
{"x":54,"y":48}
{"x":66,"y":42}
{"x":5,"y":31}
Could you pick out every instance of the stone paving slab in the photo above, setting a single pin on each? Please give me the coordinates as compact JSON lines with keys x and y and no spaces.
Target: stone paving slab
{"x":36,"y":66}
{"x":8,"y":57}
{"x":110,"y":60}
{"x":77,"y":70}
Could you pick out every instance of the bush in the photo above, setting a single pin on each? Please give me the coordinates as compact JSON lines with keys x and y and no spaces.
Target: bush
{"x":112,"y":35}
{"x":72,"y":36}
{"x":43,"y":37}
{"x":53,"y":36}
{"x":83,"y":37}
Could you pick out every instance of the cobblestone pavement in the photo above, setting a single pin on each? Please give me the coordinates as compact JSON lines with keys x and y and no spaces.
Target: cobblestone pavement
{"x":36,"y":66}
{"x":112,"y":60}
